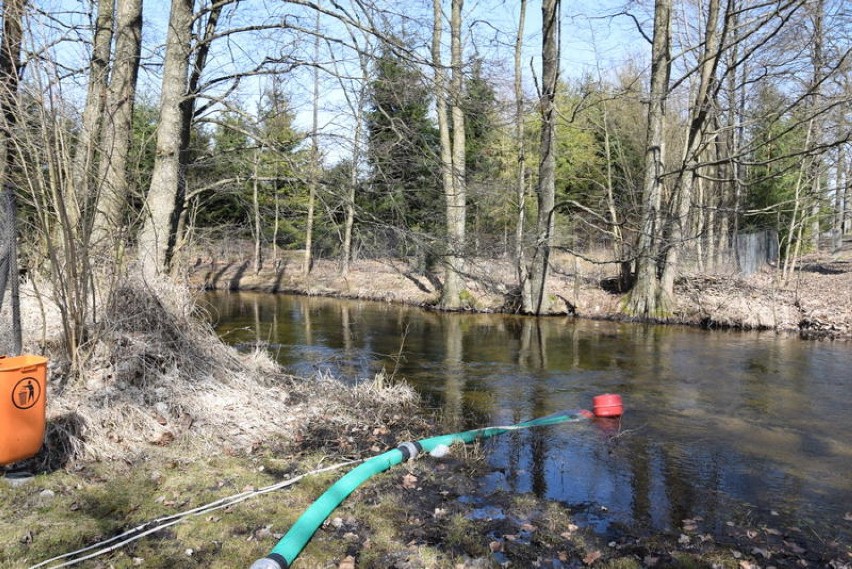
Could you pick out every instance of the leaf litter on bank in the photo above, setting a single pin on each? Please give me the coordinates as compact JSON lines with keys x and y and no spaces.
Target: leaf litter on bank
{"x":150,"y":375}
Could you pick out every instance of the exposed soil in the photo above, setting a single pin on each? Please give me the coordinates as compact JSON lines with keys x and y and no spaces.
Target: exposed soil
{"x":816,"y":301}
{"x":165,"y":418}
{"x":433,"y":513}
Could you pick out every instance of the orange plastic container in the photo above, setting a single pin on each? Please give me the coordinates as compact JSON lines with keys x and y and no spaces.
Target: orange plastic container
{"x":23,"y":389}
{"x":608,"y":405}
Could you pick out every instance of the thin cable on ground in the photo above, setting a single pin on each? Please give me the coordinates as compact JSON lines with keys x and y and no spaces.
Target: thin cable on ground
{"x":159,"y":524}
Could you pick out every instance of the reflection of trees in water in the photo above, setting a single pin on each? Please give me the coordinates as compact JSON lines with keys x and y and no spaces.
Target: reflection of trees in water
{"x":347,"y":330}
{"x":454,"y":381}
{"x":532,"y":402}
{"x":641,"y":468}
{"x":707,"y":406}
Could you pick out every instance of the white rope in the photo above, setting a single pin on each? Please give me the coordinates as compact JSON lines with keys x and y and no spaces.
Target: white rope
{"x":159,"y":524}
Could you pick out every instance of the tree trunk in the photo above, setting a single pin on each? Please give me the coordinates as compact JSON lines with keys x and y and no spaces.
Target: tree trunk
{"x":156,"y":238}
{"x":645,"y":298}
{"x":840,"y":196}
{"x":180,"y":230}
{"x":546,"y":191}
{"x":452,"y":150}
{"x":118,"y":128}
{"x":315,"y":161}
{"x":349,"y":222}
{"x":10,"y":53}
{"x":456,"y":199}
{"x":521,"y":177}
{"x":257,"y":228}
{"x":846,"y":223}
{"x":80,"y":191}
{"x":619,"y":245}
{"x":702,"y":107}
{"x":818,"y":62}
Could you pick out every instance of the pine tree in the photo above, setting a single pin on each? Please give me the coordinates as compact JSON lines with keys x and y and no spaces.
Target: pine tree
{"x":402,"y":142}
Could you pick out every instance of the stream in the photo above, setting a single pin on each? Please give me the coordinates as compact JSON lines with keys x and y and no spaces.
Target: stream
{"x":746,"y":427}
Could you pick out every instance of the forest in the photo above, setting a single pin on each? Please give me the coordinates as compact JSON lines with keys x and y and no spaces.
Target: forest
{"x":674,"y":146}
{"x":438,"y":135}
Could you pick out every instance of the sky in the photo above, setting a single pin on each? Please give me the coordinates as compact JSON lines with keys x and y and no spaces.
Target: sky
{"x":593,"y":42}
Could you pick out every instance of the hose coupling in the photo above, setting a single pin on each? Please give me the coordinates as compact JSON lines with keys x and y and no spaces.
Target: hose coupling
{"x":272,"y":561}
{"x":409,"y":450}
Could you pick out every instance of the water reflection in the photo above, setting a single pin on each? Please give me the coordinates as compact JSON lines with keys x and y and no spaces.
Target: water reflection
{"x":716,"y":423}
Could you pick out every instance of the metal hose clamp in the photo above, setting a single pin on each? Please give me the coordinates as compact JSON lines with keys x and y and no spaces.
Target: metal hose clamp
{"x":409,"y":450}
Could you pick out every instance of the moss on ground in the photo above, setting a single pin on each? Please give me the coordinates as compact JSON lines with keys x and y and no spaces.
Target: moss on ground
{"x":427,"y":514}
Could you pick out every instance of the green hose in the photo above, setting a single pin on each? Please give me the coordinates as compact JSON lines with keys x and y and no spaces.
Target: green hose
{"x":290,"y":546}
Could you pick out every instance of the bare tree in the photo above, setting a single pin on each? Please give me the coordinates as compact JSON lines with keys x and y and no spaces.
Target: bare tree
{"x":452,"y":150}
{"x":84,"y":164}
{"x":701,"y":114}
{"x":10,"y":49}
{"x":533,"y":303}
{"x":356,"y":105}
{"x":521,"y":174}
{"x":156,"y":238}
{"x":162,"y":229}
{"x":313,"y":181}
{"x":118,"y":127}
{"x":10,"y":67}
{"x":646,"y":299}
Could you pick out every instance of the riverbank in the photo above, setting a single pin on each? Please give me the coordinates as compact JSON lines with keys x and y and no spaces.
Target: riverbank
{"x":427,"y":514}
{"x":816,"y":302}
{"x":165,"y":419}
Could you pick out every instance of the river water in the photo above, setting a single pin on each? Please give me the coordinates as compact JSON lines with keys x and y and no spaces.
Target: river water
{"x":750,"y":428}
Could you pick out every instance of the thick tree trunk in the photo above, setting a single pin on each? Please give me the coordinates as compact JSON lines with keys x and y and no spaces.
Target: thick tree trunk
{"x":156,"y":238}
{"x":645,"y":299}
{"x":702,"y":107}
{"x":10,"y":53}
{"x":452,"y":149}
{"x":446,"y":155}
{"x":546,"y":191}
{"x":81,"y":190}
{"x":118,"y":127}
{"x":818,"y":63}
{"x":457,"y":198}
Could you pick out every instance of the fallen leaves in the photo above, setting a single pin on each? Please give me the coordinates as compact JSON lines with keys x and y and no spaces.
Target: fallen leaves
{"x":569,"y":533}
{"x":409,"y":481}
{"x":592,"y":556}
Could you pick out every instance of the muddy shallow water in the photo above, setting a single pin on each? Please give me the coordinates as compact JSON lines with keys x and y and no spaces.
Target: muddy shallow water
{"x":719,"y":427}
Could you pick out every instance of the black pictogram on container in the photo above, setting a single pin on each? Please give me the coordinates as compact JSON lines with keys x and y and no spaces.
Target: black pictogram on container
{"x":26,"y":393}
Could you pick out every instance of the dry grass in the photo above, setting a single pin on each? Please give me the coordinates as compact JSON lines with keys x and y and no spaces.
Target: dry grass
{"x":156,"y":375}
